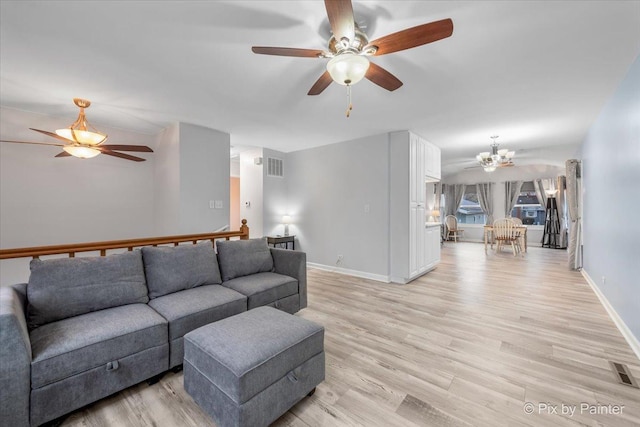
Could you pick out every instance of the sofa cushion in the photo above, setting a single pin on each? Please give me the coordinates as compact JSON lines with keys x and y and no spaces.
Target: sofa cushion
{"x":173,"y":269}
{"x":263,"y":288}
{"x":67,"y":287}
{"x":243,"y":257}
{"x":71,"y":346}
{"x":192,"y":308}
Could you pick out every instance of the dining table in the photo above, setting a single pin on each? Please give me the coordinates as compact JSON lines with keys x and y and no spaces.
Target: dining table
{"x":488,"y":230}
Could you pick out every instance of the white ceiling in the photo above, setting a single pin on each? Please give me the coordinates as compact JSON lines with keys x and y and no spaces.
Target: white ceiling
{"x":536,"y":73}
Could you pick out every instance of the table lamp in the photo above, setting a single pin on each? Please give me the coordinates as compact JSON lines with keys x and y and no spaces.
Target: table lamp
{"x":286,"y":220}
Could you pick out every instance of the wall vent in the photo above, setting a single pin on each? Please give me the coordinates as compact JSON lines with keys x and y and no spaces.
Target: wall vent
{"x":275,"y":167}
{"x":623,"y":374}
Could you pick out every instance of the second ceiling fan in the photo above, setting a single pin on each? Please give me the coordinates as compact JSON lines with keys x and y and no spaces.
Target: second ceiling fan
{"x":81,"y":140}
{"x":349,"y":49}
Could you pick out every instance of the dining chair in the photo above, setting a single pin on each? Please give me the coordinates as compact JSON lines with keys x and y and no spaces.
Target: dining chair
{"x":451,"y":223}
{"x":505,"y":231}
{"x":515,"y":219}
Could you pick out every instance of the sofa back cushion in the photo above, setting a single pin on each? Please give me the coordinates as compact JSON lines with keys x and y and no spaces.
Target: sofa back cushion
{"x":67,"y":287}
{"x":173,"y":269}
{"x":243,"y":257}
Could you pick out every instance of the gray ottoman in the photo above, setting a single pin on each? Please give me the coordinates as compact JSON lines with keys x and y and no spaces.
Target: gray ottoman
{"x":249,"y":369}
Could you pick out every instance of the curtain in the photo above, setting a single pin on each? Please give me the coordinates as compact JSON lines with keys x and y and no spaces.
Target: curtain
{"x":453,"y":197}
{"x":485,"y":198}
{"x":574,"y":208}
{"x":560,"y":201}
{"x":512,"y":191}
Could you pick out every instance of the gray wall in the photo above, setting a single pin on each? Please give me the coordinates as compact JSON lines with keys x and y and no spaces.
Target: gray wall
{"x":46,"y":200}
{"x":611,"y":175}
{"x":275,"y":198}
{"x":192,"y":169}
{"x":204,"y":176}
{"x":328,"y":189}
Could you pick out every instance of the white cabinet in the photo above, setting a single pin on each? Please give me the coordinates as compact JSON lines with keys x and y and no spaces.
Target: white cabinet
{"x":412,"y":252}
{"x":432,"y":245}
{"x":432,"y":167}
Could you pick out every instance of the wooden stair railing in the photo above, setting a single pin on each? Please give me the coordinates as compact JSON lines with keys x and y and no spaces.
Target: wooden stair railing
{"x":130,"y":244}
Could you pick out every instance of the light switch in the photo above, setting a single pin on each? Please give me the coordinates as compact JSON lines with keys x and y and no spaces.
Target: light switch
{"x":212,"y":204}
{"x":219,"y":204}
{"x":367,"y":208}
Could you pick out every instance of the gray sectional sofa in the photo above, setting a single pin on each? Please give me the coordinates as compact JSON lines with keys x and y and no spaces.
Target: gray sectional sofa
{"x":85,"y":328}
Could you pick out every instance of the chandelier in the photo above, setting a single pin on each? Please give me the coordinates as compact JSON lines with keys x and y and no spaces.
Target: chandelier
{"x":496,"y":158}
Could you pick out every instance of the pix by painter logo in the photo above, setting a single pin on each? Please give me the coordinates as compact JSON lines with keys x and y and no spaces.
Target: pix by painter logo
{"x":569,"y":410}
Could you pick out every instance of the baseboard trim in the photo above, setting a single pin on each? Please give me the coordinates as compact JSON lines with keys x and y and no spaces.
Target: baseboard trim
{"x":349,"y":272}
{"x":622,"y":327}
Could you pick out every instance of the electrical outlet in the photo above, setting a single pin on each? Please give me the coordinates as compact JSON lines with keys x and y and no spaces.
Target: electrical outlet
{"x":340,"y":259}
{"x":604,"y":280}
{"x":218,"y":204}
{"x":212,"y":204}
{"x":367,"y":208}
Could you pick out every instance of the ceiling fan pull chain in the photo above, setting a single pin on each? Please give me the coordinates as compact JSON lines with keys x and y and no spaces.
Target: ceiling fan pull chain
{"x":349,"y":104}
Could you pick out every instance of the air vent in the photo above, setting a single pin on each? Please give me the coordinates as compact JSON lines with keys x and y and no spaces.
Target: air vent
{"x":623,"y":374}
{"x":275,"y":167}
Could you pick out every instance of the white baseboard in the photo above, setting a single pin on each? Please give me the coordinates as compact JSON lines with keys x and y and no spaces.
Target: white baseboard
{"x":632,"y":340}
{"x":356,"y":273}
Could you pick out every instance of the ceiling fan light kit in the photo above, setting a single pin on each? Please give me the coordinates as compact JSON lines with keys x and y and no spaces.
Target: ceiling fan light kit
{"x":349,"y":47}
{"x":81,"y":151}
{"x":348,"y":68}
{"x":496,"y":158}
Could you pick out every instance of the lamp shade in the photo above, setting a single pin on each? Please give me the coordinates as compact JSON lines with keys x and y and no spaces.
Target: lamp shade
{"x":82,"y":136}
{"x":347,"y":68}
{"x":81,"y":151}
{"x":286,"y":219}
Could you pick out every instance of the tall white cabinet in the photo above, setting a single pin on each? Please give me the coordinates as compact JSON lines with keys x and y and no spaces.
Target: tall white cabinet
{"x":415,"y":247}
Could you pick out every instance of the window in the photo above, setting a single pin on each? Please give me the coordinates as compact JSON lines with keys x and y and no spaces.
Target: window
{"x":527,"y":208}
{"x":470,"y":211}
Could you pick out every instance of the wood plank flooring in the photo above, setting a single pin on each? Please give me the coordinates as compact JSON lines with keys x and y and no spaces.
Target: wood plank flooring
{"x":468,"y":344}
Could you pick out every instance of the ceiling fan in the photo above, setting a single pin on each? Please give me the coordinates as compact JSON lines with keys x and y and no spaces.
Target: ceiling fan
{"x":84,"y":141}
{"x":349,"y":48}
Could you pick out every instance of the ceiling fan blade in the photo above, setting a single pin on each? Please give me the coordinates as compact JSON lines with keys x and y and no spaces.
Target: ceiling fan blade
{"x":413,"y":37}
{"x":34,"y":143}
{"x":63,"y":154}
{"x":121,"y":155}
{"x":54,"y":135}
{"x":382,"y":77}
{"x":138,"y":148}
{"x":321,"y":84}
{"x":288,"y":51}
{"x":340,"y":13}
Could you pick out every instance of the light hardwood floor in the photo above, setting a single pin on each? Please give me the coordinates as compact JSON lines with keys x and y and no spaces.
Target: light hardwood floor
{"x":467,"y":344}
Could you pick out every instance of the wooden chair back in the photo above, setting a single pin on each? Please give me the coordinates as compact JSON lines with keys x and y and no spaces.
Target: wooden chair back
{"x":452,"y":222}
{"x":505,"y":229}
{"x":515,"y":219}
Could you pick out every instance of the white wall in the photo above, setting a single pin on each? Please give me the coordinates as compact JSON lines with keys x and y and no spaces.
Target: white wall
{"x":251,"y":184}
{"x":329,"y":187}
{"x":46,"y":200}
